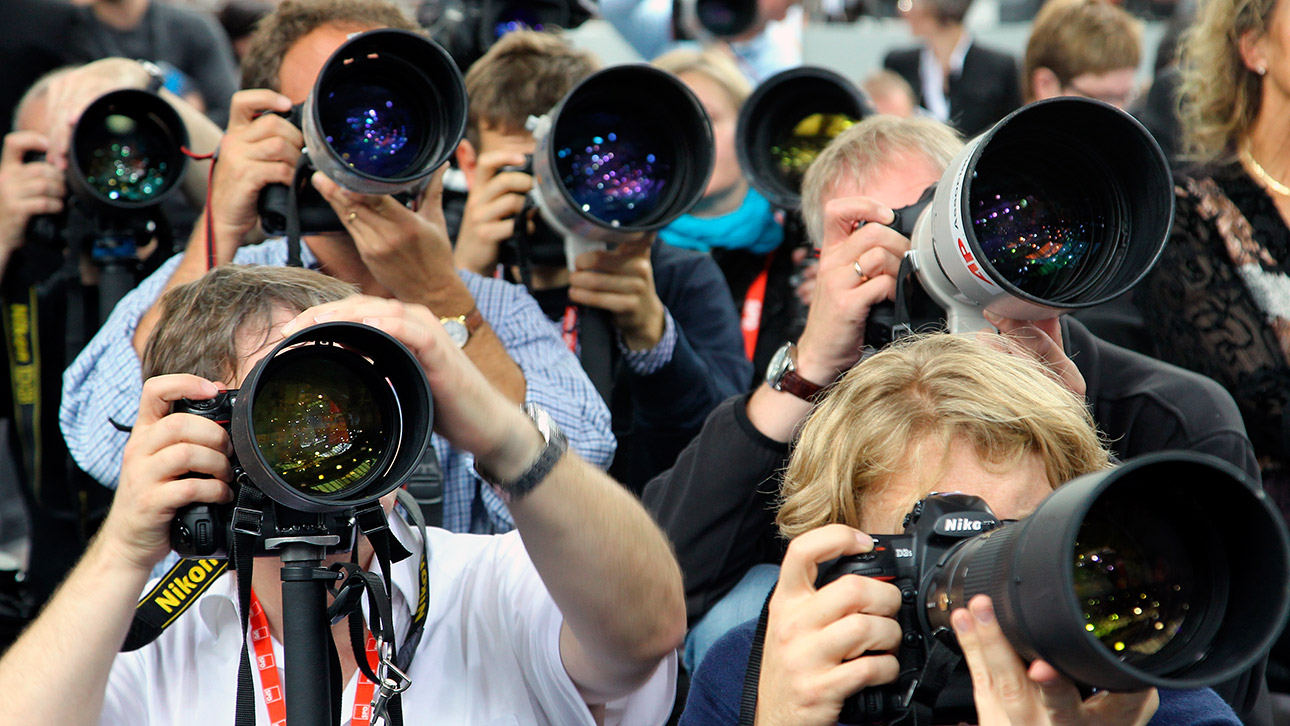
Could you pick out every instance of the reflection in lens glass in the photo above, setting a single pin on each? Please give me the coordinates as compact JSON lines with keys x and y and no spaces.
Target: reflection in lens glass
{"x":516,"y":18}
{"x":322,"y":429}
{"x":1135,"y":593}
{"x":798,"y":146}
{"x":126,"y":158}
{"x":614,"y":168}
{"x":372,"y":127}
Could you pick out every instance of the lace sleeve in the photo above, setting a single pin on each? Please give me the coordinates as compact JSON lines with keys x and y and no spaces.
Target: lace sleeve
{"x":1203,"y":318}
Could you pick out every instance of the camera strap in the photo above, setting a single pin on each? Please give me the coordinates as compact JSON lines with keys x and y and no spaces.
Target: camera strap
{"x":902,"y":321}
{"x":173,"y":594}
{"x":293,"y":212}
{"x":748,"y":703}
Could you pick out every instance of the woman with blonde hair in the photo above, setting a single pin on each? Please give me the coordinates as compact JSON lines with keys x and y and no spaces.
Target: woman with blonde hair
{"x":1220,"y":294}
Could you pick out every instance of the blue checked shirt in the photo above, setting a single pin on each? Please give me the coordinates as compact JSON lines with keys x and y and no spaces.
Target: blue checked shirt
{"x":105,"y":382}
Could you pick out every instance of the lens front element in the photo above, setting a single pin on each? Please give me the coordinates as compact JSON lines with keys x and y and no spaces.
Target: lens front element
{"x":797,"y":146}
{"x":614,"y":167}
{"x":323,"y":427}
{"x":374,"y":125}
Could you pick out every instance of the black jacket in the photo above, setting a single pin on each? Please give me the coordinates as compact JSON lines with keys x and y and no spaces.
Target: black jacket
{"x":988,"y":88}
{"x":717,"y":504}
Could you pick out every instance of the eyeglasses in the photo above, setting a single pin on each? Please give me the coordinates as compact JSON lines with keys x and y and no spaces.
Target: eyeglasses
{"x":1119,"y":100}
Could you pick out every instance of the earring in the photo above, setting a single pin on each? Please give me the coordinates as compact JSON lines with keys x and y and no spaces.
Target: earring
{"x":1262,"y":69}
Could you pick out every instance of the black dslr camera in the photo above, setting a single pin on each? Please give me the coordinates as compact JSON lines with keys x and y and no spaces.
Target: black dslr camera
{"x":541,"y":246}
{"x":334,"y":418}
{"x":1134,"y":577}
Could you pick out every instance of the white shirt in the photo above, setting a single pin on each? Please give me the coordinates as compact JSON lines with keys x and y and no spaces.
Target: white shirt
{"x":490,"y":654}
{"x":929,"y":69}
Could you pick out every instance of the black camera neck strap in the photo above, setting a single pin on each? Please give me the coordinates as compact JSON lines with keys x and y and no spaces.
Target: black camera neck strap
{"x":748,"y":702}
{"x":902,"y":321}
{"x":293,"y":211}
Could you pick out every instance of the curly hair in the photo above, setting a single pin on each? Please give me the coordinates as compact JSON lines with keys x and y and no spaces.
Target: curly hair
{"x":1219,"y":97}
{"x":936,"y":388}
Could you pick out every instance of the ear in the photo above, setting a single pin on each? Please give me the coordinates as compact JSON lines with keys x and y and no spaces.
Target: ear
{"x":467,"y":160}
{"x":1044,"y":84}
{"x":1252,"y":51}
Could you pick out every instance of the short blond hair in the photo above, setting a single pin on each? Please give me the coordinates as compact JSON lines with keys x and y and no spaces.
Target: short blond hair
{"x":861,"y":149}
{"x":1074,"y":37}
{"x":714,"y":63}
{"x":932,"y":388}
{"x":1219,"y":97}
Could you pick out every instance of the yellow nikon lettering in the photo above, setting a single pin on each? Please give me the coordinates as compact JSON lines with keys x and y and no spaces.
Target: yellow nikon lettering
{"x":423,"y":597}
{"x":24,"y":381}
{"x":20,"y":315}
{"x":196,"y":573}
{"x":182,"y":586}
{"x":168,"y":602}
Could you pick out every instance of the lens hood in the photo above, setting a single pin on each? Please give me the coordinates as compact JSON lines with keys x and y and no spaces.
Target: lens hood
{"x":336,"y":416}
{"x":707,"y":19}
{"x":127,"y":150}
{"x":771,"y":154}
{"x":627,"y":151}
{"x":1064,"y":204}
{"x":388,"y":108}
{"x":1168,"y":571}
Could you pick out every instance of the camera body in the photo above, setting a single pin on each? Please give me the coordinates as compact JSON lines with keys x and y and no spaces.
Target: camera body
{"x":933,"y":528}
{"x":206,"y":530}
{"x":543,"y":246}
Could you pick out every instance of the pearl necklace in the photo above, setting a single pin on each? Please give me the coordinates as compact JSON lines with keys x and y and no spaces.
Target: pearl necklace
{"x":1267,"y":179}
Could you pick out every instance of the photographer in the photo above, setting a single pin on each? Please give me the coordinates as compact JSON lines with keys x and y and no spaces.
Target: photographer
{"x":388,"y":249}
{"x":677,"y":352}
{"x":718,"y":503}
{"x":52,"y":294}
{"x":570,"y":620}
{"x":941,"y":413}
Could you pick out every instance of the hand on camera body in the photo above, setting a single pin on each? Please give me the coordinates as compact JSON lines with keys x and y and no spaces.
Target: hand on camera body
{"x":27,"y":188}
{"x":1007,"y":692}
{"x":260,"y":147}
{"x":488,"y":219}
{"x":468,"y":410}
{"x":855,"y":232}
{"x":621,"y":281}
{"x":170,"y":461}
{"x":824,"y":645}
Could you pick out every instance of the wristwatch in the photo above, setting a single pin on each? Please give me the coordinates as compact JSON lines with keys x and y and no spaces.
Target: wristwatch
{"x":462,"y":327}
{"x":781,"y":375}
{"x":556,"y":445}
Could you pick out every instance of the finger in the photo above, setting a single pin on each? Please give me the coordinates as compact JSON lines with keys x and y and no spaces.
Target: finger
{"x":858,"y":633}
{"x":160,"y":392}
{"x":842,"y":215}
{"x":504,"y":207}
{"x":489,"y":162}
{"x":610,"y":301}
{"x":180,"y":460}
{"x":19,"y":143}
{"x":507,"y":182}
{"x":853,"y":675}
{"x":182,"y":492}
{"x":272,"y":138}
{"x":801,"y":562}
{"x":861,"y":241}
{"x":857,"y":594}
{"x":247,"y":106}
{"x":993,"y":663}
{"x":614,"y":282}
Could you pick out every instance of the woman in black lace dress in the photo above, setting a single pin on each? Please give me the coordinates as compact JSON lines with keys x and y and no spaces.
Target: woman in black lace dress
{"x":1218,"y":301}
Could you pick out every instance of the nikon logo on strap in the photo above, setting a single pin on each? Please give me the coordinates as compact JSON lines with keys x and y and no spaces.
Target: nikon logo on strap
{"x":172,"y":595}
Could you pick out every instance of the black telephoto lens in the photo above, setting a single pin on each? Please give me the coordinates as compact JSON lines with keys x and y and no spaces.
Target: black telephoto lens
{"x":787,"y":122}
{"x":126,"y":150}
{"x":1168,"y":571}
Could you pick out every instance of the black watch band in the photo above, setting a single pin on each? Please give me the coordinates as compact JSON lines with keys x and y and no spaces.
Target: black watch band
{"x":540,"y":469}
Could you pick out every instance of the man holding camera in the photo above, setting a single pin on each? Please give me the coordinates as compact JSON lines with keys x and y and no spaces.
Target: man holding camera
{"x":678,"y":351}
{"x":53,"y":291}
{"x":571,"y":620}
{"x":387,"y":249}
{"x":728,"y":547}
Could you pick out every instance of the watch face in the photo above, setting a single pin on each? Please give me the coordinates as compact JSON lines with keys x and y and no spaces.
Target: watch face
{"x":456,"y":330}
{"x":779,"y":363}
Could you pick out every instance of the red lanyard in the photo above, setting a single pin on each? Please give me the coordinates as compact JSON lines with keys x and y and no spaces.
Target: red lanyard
{"x":569,"y":328}
{"x":750,"y":318}
{"x":271,"y":682}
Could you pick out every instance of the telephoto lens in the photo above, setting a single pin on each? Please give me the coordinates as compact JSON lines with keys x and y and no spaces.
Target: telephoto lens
{"x":626,"y":152}
{"x":127,"y":150}
{"x":787,"y":122}
{"x":1064,"y":204}
{"x":718,"y":18}
{"x":1167,"y":571}
{"x":388,"y":108}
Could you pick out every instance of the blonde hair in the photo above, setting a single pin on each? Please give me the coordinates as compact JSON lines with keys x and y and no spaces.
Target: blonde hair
{"x":1219,"y":97}
{"x":714,"y":63}
{"x":935,"y":388}
{"x":856,"y":152}
{"x":1074,"y":37}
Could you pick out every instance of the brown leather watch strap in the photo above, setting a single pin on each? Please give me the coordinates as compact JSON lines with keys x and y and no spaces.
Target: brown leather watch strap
{"x":792,"y":383}
{"x":473,"y":320}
